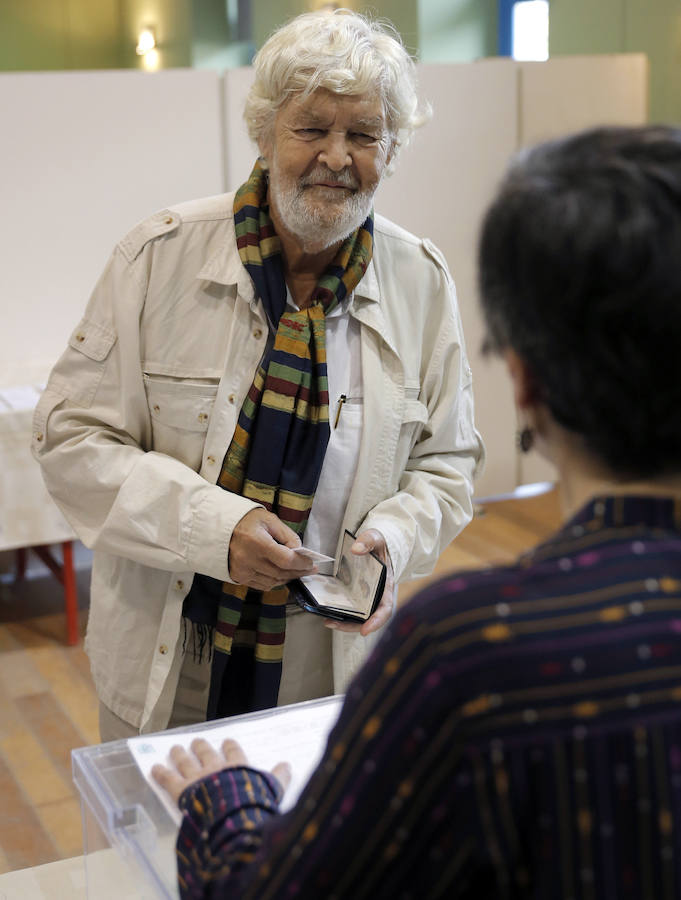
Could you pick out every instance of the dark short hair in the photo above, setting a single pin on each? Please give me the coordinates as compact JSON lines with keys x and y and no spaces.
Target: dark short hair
{"x":580,"y":274}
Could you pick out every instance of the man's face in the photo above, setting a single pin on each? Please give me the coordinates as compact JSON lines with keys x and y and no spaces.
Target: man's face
{"x":326,"y":155}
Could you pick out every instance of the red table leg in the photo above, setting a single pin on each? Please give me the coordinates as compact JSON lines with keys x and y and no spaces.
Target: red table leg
{"x":66,"y":576}
{"x":70,"y":594}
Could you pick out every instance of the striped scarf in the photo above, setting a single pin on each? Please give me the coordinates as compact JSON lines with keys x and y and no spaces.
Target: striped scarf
{"x":278,"y":447}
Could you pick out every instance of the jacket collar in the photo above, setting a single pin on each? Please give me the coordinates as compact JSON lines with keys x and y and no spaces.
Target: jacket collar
{"x":369,"y":309}
{"x":368,"y":288}
{"x":225,"y":267}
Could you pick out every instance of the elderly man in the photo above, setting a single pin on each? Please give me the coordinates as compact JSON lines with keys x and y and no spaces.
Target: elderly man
{"x":254,"y":366}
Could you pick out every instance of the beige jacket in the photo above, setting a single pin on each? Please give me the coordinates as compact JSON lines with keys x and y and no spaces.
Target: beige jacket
{"x":138,"y":412}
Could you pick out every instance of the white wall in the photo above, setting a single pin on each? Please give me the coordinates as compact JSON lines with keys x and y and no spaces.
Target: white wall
{"x":441,"y":186}
{"x":567,"y":94}
{"x":483,"y":112}
{"x":83,"y":156}
{"x":442,"y":183}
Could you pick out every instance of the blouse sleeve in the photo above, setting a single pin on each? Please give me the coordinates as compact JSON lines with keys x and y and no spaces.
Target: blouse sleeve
{"x":350,"y":827}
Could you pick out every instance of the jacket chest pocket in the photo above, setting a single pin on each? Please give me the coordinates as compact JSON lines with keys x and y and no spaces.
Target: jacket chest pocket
{"x":180,"y":411}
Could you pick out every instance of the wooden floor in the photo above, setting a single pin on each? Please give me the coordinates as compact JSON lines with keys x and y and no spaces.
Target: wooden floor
{"x":48,"y":705}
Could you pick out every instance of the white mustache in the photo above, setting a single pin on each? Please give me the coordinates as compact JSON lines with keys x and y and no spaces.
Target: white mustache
{"x":344,"y":179}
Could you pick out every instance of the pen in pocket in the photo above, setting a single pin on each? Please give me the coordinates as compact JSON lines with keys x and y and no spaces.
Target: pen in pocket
{"x":341,"y":401}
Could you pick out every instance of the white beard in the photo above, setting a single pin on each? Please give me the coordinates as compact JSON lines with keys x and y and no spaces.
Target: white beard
{"x":318,"y":225}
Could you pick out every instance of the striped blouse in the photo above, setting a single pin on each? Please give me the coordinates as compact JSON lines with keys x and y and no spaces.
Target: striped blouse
{"x":516,"y":733}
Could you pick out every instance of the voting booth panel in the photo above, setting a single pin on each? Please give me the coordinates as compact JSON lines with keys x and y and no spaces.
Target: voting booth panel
{"x":440,"y":189}
{"x":85,"y":156}
{"x":567,"y":94}
{"x":483,"y":112}
{"x":89,"y":154}
{"x":444,"y":179}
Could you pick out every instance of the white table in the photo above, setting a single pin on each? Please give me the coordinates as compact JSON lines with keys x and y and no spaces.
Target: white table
{"x":29,"y":518}
{"x":66,"y":880}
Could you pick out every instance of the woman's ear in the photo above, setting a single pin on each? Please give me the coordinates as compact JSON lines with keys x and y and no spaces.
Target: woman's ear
{"x":525,"y":391}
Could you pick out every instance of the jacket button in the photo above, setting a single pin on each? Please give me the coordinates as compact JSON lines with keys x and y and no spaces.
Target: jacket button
{"x":231,"y":398}
{"x":39,"y":437}
{"x":163,"y":649}
{"x":157,"y":408}
{"x":257,"y":333}
{"x":179,"y":585}
{"x":211,"y":460}
{"x":203,"y":417}
{"x":80,"y":338}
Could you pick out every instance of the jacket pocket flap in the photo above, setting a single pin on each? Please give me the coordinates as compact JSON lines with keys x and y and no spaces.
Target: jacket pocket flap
{"x":93,"y":340}
{"x":180,"y":405}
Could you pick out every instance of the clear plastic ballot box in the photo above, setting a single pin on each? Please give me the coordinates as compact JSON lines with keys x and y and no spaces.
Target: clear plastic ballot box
{"x":130,"y":826}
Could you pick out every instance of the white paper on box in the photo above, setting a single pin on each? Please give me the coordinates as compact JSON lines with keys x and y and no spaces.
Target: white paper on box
{"x":295,"y":734}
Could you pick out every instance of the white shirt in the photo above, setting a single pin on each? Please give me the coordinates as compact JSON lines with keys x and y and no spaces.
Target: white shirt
{"x":344,"y":373}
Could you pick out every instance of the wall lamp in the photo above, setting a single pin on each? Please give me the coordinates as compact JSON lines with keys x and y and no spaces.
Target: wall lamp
{"x":146,"y":41}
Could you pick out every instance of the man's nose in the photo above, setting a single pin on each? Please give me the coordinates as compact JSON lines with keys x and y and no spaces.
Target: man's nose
{"x":335,"y":151}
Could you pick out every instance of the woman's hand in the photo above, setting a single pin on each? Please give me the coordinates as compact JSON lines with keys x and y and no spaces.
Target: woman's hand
{"x":204,"y":760}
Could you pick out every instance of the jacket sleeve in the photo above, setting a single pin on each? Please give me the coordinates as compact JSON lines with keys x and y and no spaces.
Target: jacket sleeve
{"x":92,"y":437}
{"x":433,"y":502}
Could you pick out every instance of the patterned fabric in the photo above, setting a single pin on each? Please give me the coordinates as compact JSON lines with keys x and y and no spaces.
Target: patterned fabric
{"x":278,"y":447}
{"x":516,"y":734}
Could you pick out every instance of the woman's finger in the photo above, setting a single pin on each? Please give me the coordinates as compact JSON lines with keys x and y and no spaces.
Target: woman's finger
{"x":234,"y":755}
{"x":170,"y":780}
{"x":185,"y":763}
{"x":206,"y":754}
{"x":282,"y":772}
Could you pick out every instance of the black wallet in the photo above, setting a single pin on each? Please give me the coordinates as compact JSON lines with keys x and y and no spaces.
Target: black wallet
{"x":351,"y":594}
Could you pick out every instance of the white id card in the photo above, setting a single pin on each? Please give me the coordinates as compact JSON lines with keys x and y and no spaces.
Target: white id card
{"x":313,"y":555}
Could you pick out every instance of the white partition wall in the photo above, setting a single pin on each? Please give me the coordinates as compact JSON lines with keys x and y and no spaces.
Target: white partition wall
{"x":441,"y":185}
{"x":83,"y":157}
{"x":567,"y":94}
{"x":240,"y":151}
{"x":483,"y":112}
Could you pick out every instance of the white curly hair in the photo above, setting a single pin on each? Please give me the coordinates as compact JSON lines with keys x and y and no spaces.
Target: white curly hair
{"x":342,"y":52}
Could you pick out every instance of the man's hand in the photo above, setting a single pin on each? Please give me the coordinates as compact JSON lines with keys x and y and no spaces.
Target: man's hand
{"x":371,"y":539}
{"x":204,"y":760}
{"x":260,"y":554}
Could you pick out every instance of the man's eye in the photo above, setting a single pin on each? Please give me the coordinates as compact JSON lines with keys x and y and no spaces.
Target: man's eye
{"x":364,"y":139}
{"x":309,"y":133}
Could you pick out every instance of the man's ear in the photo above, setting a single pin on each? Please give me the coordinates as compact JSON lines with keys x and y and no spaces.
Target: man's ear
{"x":265,"y":150}
{"x":525,"y":391}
